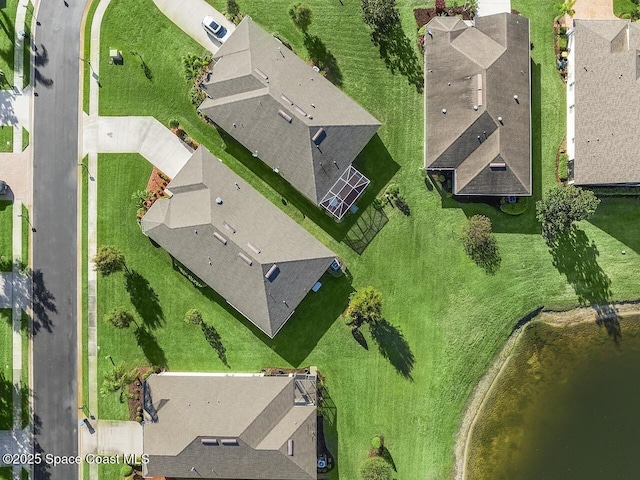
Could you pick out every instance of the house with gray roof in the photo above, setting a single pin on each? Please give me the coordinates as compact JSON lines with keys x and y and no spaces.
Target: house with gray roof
{"x":478,"y":104}
{"x":230,"y":426}
{"x":603,"y":101}
{"x":288,"y":115}
{"x":237,"y":242}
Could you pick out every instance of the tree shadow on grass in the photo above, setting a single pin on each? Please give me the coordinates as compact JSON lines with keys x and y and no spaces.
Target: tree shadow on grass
{"x":212,"y":336}
{"x":393,"y":346}
{"x":359,"y":337}
{"x":577,"y":259}
{"x":488,"y":259}
{"x":150,"y":347}
{"x":43,"y":303}
{"x":399,"y":54}
{"x":6,"y":402}
{"x":144,"y":299}
{"x":323,"y":58}
{"x":386,"y":454}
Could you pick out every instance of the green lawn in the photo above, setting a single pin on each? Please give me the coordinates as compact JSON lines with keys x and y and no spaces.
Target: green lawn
{"x":6,"y":370}
{"x":6,"y":229}
{"x":6,"y":473}
{"x":6,"y":138}
{"x":447,"y":317}
{"x":622,"y":6}
{"x":7,"y":22}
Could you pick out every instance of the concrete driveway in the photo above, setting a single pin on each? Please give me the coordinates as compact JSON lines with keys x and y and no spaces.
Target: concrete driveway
{"x":188,"y":15}
{"x":143,"y":135}
{"x":594,"y":9}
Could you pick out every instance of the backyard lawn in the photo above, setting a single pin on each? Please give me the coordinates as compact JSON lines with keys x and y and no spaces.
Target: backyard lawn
{"x":445,"y":317}
{"x":6,"y":228}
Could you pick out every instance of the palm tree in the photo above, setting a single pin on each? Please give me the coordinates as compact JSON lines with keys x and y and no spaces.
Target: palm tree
{"x":565,"y":8}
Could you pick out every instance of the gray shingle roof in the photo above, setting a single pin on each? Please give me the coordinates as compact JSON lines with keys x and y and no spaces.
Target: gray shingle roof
{"x":484,"y":67}
{"x":607,"y":101}
{"x":234,"y":245}
{"x":258,"y":412}
{"x":256,"y":77}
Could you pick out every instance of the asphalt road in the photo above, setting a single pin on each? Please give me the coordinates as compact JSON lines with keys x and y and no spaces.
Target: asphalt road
{"x":55,"y":142}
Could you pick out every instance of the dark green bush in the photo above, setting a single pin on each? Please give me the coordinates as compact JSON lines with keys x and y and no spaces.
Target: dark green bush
{"x":517,"y":208}
{"x":562,"y":42}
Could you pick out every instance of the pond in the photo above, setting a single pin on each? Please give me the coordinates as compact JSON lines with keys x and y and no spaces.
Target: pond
{"x":566,"y":406}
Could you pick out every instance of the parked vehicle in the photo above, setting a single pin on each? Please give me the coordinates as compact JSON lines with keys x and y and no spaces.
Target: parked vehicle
{"x":212,"y":27}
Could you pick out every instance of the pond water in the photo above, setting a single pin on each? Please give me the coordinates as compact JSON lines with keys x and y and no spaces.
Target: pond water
{"x":567,"y":407}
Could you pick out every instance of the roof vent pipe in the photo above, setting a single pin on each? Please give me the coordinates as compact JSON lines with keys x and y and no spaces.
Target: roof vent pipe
{"x":219,"y":201}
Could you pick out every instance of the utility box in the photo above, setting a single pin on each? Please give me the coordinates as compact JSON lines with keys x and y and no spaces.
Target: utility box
{"x":115,"y":56}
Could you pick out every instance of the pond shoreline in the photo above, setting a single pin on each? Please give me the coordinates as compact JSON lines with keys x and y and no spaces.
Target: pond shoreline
{"x":484,"y":387}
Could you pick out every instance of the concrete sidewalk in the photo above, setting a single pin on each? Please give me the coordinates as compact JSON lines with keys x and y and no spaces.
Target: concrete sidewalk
{"x":593,"y":9}
{"x":188,"y":15}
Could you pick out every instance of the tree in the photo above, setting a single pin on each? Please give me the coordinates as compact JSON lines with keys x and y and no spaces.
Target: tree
{"x":381,"y":15}
{"x":480,"y":243}
{"x":120,"y":318}
{"x":565,"y":8}
{"x":563,"y":206}
{"x":300,"y":16}
{"x":376,"y":468}
{"x":109,"y":260}
{"x":117,"y":379}
{"x":365,"y":305}
{"x":193,"y":316}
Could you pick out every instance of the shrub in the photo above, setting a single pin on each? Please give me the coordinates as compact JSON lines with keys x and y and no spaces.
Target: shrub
{"x":193,"y":317}
{"x":392,"y":190}
{"x":377,"y":443}
{"x":562,"y":43}
{"x":517,"y":208}
{"x":376,"y":468}
{"x":422,"y":30}
{"x":365,"y":305}
{"x":196,"y":96}
{"x":480,"y":243}
{"x":563,"y":166}
{"x":139,"y":418}
{"x":562,"y":30}
{"x":108,"y":260}
{"x":126,"y":470}
{"x":440,"y":5}
{"x":173,"y":124}
{"x":120,"y":318}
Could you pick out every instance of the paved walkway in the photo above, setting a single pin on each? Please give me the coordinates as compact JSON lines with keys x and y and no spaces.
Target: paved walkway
{"x":188,"y":15}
